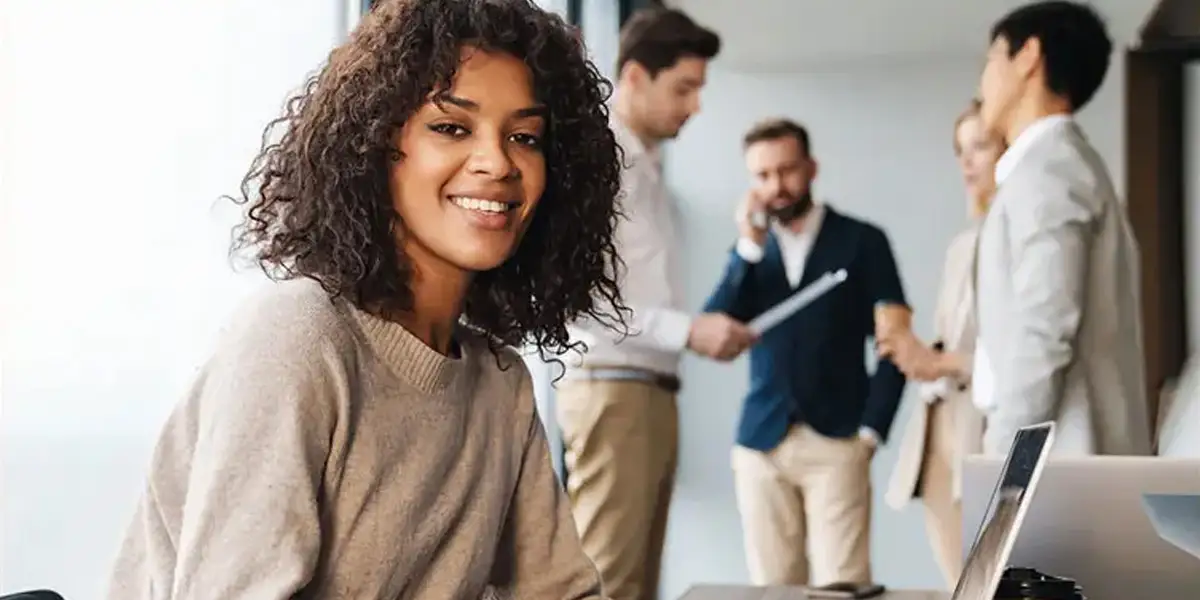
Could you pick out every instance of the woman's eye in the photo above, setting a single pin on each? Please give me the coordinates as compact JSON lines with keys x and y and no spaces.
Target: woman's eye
{"x":449,"y":129}
{"x":526,"y":139}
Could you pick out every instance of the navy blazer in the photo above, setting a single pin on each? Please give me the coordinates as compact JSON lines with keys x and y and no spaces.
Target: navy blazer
{"x":812,"y":367}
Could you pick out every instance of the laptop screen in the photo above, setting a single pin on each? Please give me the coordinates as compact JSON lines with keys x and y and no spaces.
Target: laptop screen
{"x":994,"y":540}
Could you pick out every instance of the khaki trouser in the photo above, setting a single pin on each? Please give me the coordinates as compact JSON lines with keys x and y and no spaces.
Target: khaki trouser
{"x":621,"y":440}
{"x":806,"y":504}
{"x":943,"y":512}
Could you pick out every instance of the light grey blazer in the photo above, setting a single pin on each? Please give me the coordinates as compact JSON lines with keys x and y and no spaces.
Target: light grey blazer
{"x":1058,"y":303}
{"x":954,"y":325}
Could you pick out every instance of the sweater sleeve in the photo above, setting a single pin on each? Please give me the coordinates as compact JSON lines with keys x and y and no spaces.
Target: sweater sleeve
{"x":541,"y":556}
{"x":262,"y":417}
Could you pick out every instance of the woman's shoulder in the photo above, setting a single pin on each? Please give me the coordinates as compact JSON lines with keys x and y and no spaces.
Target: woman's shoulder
{"x":286,"y":348}
{"x":959,"y":257}
{"x":498,"y":363}
{"x":288,"y":319}
{"x":504,"y":386}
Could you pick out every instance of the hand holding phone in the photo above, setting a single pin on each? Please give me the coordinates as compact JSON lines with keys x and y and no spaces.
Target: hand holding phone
{"x":751,"y":217}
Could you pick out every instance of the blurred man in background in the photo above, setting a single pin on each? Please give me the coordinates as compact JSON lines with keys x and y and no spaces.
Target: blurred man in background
{"x":814,"y":416}
{"x":1060,"y":335}
{"x":616,"y":407}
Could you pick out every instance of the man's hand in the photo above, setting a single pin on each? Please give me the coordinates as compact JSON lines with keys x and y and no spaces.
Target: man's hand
{"x":868,"y":440}
{"x":751,"y":217}
{"x":719,"y":336}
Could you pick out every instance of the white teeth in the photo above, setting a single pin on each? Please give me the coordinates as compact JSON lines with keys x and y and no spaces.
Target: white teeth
{"x":479,"y":204}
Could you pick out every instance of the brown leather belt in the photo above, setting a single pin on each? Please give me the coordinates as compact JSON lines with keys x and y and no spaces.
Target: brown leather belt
{"x":669,"y":383}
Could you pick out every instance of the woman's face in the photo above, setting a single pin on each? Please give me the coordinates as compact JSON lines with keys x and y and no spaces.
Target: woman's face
{"x":977,"y":155}
{"x":471,"y":168}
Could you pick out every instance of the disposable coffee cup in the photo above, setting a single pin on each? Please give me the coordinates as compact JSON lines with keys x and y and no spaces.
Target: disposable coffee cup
{"x":892,"y":319}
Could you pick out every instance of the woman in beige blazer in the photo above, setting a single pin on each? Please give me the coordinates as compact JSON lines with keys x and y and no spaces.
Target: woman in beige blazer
{"x":946,"y":426}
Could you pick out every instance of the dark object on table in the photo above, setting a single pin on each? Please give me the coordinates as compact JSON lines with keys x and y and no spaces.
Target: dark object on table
{"x":1029,"y":584}
{"x":846,"y":590}
{"x":33,"y":595}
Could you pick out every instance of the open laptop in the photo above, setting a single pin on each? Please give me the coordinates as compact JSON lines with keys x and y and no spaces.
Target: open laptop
{"x":1089,"y":523}
{"x":1005,"y":512}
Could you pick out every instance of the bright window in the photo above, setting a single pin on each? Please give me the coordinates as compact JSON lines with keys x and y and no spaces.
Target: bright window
{"x":122,"y":124}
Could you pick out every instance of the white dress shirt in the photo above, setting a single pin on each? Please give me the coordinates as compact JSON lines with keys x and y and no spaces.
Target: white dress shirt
{"x":650,"y":283}
{"x":982,"y":378}
{"x":794,"y":248}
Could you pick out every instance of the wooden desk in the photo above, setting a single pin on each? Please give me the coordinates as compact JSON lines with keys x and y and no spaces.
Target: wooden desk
{"x":742,"y":592}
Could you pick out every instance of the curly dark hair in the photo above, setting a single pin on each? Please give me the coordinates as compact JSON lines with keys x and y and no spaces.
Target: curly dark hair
{"x":320,"y":205}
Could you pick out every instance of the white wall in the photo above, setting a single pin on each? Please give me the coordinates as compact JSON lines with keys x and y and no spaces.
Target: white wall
{"x":786,"y":34}
{"x":124,"y":121}
{"x":882,"y":135}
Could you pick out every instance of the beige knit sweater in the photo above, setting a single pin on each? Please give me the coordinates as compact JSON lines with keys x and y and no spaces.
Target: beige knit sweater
{"x":325,"y":453}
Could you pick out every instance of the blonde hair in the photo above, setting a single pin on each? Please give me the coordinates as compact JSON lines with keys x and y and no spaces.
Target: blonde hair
{"x":973,"y":111}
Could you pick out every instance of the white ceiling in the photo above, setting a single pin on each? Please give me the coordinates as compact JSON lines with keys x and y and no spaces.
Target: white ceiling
{"x":773,"y":35}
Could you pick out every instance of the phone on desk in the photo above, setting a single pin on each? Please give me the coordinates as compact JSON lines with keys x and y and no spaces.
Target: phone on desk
{"x":846,"y":590}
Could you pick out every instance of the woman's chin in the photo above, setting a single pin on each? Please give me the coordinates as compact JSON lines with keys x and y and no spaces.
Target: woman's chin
{"x":484,"y":257}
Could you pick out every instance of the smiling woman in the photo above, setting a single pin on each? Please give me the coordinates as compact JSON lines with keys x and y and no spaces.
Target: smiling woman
{"x":444,"y":187}
{"x":351,"y":145}
{"x":471,"y":168}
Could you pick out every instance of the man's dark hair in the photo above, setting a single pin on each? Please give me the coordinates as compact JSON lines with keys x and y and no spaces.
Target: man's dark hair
{"x":657,"y":38}
{"x":1075,"y":45}
{"x":318,"y":194}
{"x":777,"y":129}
